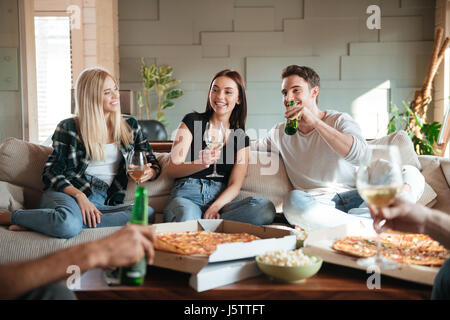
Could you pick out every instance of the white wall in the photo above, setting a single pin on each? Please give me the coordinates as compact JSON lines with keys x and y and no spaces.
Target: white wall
{"x":361,"y":69}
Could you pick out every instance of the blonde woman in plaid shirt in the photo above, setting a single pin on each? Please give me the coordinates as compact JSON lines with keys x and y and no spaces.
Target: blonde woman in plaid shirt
{"x":85,"y":176}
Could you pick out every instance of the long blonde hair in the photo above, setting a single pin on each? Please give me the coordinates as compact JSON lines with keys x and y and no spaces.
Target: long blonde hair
{"x":91,"y":118}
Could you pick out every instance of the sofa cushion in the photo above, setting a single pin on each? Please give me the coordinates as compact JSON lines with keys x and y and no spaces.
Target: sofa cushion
{"x":405,"y":146}
{"x":11,"y":196}
{"x":27,"y":245}
{"x":445,"y":166}
{"x":428,"y":197}
{"x":22,"y":163}
{"x":266,"y":177}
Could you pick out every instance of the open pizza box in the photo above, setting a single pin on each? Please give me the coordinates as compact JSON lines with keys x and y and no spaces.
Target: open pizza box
{"x":271,"y":239}
{"x":319,"y":243}
{"x":231,"y":262}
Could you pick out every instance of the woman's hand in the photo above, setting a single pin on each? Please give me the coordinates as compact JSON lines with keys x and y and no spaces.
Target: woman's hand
{"x":209,"y":157}
{"x":211,"y":213}
{"x":148,"y":173}
{"x":89,"y":212}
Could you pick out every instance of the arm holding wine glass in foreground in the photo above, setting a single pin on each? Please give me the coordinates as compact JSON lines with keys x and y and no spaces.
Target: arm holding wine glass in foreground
{"x":405,"y":216}
{"x":411,"y":217}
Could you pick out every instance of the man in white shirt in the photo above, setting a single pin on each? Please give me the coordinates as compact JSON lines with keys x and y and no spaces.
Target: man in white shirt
{"x":321,"y":157}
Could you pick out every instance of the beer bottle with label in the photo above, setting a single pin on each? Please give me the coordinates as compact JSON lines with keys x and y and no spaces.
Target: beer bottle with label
{"x":134,"y":275}
{"x":291,"y":125}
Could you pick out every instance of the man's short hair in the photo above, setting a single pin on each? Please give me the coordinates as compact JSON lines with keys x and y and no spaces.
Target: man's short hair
{"x":308,"y":74}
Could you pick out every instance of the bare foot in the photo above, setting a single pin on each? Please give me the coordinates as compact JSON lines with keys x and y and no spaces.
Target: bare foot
{"x":15,"y":227}
{"x":5,"y":218}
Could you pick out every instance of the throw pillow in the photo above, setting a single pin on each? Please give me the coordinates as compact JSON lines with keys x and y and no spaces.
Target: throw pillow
{"x":428,"y":196}
{"x":405,"y":146}
{"x":11,"y":197}
{"x":22,"y":163}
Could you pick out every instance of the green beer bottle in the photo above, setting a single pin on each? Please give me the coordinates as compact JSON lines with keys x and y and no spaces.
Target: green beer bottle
{"x":135,"y":275}
{"x":291,"y":125}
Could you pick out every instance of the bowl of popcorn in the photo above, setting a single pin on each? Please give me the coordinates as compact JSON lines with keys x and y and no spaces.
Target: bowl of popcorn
{"x":289,"y":266}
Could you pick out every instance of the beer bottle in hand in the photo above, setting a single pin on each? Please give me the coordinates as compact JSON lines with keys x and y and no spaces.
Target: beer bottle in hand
{"x":291,"y":125}
{"x":134,"y":275}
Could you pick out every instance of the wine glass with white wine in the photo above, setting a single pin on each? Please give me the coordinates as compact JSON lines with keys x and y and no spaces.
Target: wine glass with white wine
{"x":379,"y":181}
{"x":136,"y":165}
{"x":214,"y":139}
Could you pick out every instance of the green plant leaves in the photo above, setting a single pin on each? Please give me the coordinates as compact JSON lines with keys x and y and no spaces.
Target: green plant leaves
{"x":159,"y":79}
{"x":167,"y":104}
{"x":400,"y":121}
{"x":431,"y":131}
{"x":174,"y":94}
{"x":139,"y":100}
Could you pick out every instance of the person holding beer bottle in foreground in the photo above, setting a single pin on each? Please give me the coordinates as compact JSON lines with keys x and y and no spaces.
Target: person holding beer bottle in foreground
{"x":134,"y":275}
{"x":85,"y":177}
{"x":321,"y":155}
{"x":37,"y":279}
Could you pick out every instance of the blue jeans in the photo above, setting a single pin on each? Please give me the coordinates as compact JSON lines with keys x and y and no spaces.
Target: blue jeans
{"x":190,"y":198}
{"x":344,"y":201}
{"x":60,"y":216}
{"x":301,"y":208}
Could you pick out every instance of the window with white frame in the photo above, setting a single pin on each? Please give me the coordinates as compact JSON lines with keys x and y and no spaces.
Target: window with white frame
{"x":54,"y":72}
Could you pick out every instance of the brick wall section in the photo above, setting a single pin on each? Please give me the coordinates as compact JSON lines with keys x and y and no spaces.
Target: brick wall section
{"x":362,"y":70}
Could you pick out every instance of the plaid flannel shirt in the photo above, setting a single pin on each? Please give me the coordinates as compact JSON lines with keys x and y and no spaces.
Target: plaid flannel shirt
{"x":67,"y":164}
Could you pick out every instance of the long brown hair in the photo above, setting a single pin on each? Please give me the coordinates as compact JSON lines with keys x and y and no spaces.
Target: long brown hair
{"x":239,"y":114}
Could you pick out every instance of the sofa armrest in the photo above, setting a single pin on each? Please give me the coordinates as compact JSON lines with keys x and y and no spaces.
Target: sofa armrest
{"x":445,"y":166}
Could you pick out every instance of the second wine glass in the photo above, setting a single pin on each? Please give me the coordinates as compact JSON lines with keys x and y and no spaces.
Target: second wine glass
{"x":379,"y":181}
{"x":214,"y":139}
{"x":136,"y":165}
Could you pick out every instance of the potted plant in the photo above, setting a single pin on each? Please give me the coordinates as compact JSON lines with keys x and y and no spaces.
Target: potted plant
{"x":425,"y":141}
{"x":160,"y":80}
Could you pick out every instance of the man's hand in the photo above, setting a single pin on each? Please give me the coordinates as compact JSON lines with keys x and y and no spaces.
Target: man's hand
{"x":90,"y":213}
{"x":209,"y":157}
{"x":301,"y":113}
{"x":126,"y":247}
{"x":402,"y":216}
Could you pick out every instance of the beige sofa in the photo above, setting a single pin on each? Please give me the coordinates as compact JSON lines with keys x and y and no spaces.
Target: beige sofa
{"x":21,"y":165}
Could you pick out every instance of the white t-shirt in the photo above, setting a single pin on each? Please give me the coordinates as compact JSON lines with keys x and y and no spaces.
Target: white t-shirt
{"x":106,"y":169}
{"x":311,"y":164}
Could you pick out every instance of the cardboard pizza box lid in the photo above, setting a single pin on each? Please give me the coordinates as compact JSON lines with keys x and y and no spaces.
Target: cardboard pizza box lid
{"x":271,"y":239}
{"x":319,"y":243}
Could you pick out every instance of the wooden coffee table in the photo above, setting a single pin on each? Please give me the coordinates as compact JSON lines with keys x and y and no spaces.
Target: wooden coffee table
{"x":331,"y":282}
